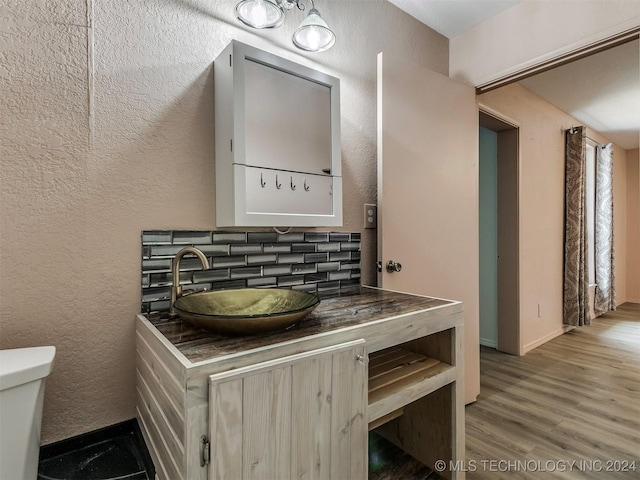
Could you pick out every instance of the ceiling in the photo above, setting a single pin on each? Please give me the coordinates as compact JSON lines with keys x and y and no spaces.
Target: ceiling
{"x":452,"y":17}
{"x":601,"y":91}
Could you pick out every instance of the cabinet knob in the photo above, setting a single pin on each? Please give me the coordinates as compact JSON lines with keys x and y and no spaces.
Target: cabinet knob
{"x":363,"y":359}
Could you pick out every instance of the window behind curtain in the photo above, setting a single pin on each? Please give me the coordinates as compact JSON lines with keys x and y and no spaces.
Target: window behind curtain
{"x":591,"y":214}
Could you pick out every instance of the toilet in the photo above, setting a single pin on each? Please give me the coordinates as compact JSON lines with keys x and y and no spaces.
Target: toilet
{"x":22,"y":376}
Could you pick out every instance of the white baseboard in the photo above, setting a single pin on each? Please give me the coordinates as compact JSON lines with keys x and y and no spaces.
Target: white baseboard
{"x":530,"y":346}
{"x":488,"y":342}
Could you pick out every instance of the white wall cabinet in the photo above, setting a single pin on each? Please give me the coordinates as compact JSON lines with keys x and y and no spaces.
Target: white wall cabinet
{"x":277,"y":127}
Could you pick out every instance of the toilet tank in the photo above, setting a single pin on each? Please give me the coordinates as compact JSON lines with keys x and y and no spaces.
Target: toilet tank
{"x":22,"y":374}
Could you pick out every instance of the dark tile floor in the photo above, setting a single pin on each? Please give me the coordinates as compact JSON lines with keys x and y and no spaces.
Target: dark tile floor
{"x":115,"y":452}
{"x":388,"y":462}
{"x":119,"y":452}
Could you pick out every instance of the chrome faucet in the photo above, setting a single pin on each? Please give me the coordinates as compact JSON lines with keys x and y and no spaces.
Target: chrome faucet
{"x":176,"y":289}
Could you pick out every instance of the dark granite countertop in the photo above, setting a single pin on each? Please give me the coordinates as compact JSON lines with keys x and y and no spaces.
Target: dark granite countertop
{"x":361,"y":305}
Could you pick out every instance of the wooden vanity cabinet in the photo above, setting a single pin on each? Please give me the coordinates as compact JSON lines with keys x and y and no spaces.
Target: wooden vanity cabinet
{"x":302,"y":407}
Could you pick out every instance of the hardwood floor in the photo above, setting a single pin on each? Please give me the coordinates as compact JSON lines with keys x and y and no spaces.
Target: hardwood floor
{"x":575,"y":398}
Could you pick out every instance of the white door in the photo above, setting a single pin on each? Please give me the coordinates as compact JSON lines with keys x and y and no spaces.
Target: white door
{"x":428,"y":192}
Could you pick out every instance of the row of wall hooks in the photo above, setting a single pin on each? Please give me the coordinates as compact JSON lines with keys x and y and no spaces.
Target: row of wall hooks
{"x":263,"y":184}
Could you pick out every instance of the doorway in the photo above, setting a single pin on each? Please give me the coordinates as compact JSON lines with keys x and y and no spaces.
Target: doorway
{"x":498,"y":233}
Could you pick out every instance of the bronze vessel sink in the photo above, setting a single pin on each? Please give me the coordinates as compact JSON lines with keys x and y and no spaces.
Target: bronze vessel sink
{"x":246,"y":311}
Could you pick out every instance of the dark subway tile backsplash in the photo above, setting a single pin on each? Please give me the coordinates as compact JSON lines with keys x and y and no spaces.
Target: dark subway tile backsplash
{"x":303,"y":247}
{"x":229,"y":237}
{"x":191,"y":238}
{"x":291,"y":258}
{"x":341,"y":237}
{"x":316,"y":237}
{"x":210,"y":275}
{"x":339,"y":256}
{"x":262,"y":237}
{"x":246,"y":249}
{"x":316,"y":257}
{"x":318,"y":262}
{"x":156,"y":237}
{"x":328,"y":247}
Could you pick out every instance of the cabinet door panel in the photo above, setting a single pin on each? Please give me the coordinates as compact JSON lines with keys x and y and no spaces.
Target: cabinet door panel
{"x":311,"y":407}
{"x":266,"y":435}
{"x":301,"y":416}
{"x":226,"y":422}
{"x":348,"y":413}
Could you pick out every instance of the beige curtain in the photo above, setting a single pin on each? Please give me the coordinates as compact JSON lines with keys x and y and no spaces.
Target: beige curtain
{"x":605,"y":297}
{"x":576,"y":274}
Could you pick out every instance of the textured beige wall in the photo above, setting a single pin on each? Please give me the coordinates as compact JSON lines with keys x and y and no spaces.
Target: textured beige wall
{"x":106,"y":130}
{"x":633,"y":226}
{"x":542,"y":208}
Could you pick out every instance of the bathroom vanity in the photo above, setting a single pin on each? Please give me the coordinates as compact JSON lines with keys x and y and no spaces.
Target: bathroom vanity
{"x":299,"y":403}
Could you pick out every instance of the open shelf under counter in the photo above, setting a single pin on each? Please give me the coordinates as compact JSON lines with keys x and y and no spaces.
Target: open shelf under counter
{"x":398,"y":377}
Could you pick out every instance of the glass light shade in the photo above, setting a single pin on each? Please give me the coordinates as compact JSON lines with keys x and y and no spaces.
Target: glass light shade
{"x":313,"y":34}
{"x":287,"y":4}
{"x":259,"y":13}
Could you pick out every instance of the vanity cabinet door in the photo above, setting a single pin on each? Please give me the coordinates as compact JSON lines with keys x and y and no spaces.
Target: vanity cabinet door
{"x":302,"y":416}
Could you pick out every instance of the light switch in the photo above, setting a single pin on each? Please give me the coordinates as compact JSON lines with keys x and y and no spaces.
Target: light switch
{"x":370,"y":215}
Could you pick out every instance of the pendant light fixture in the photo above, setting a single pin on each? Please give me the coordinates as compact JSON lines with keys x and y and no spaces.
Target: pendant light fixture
{"x":313,"y":34}
{"x":259,"y":13}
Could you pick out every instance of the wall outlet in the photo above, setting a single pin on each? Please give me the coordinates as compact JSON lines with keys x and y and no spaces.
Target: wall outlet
{"x":370,"y":215}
